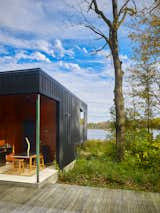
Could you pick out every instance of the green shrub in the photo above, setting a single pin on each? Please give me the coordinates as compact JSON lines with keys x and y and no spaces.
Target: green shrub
{"x":95,"y":165}
{"x":143,"y":152}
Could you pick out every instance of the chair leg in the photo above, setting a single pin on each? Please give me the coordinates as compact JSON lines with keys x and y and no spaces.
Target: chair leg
{"x":42,"y":161}
{"x":22,"y":166}
{"x":19,"y":164}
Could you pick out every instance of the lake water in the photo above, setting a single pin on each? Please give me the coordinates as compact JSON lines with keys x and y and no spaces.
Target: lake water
{"x":156,"y":132}
{"x":97,"y":134}
{"x":100,"y":134}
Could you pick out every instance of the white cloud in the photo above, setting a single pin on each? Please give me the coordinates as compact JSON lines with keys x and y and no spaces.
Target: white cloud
{"x":5,"y":60}
{"x":34,"y":44}
{"x":123,"y":57}
{"x":52,"y":19}
{"x":41,"y":18}
{"x":105,"y":53}
{"x":95,"y":91}
{"x":55,"y":50}
{"x":44,"y":46}
{"x":78,"y":47}
{"x":40,"y":57}
{"x":70,"y":66}
{"x":85,"y":50}
{"x":61,"y":50}
{"x":3,"y":50}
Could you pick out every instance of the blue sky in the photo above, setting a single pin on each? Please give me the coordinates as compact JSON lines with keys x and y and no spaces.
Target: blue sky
{"x":49,"y":34}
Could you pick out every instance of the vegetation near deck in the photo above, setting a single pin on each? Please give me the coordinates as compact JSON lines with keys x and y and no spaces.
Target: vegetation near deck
{"x":139,"y":170}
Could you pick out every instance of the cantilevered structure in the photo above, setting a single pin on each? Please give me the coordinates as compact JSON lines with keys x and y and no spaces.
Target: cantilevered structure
{"x":34,"y":105}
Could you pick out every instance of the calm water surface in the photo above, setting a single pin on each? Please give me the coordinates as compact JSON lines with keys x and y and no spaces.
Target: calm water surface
{"x":156,"y":132}
{"x":97,"y":134}
{"x":100,"y":134}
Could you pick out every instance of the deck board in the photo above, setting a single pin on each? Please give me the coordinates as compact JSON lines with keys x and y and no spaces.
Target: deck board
{"x":62,"y":198}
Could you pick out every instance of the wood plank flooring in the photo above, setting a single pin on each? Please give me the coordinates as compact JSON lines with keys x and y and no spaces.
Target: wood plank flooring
{"x":62,"y":198}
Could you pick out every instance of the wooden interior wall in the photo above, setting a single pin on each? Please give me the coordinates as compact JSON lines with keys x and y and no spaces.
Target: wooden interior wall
{"x":14,"y":110}
{"x":48,"y":125}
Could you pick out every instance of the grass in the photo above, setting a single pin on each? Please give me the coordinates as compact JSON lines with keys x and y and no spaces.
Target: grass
{"x":95,"y":166}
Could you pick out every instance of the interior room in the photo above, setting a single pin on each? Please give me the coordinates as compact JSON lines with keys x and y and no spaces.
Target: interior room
{"x":18,"y":133}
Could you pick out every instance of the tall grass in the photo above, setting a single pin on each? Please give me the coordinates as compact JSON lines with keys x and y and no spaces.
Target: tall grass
{"x":95,"y":166}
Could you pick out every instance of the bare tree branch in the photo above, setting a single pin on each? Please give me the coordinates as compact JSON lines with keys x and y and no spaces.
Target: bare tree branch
{"x":123,"y":18}
{"x":126,"y":10}
{"x":157,"y":97}
{"x":156,"y":4}
{"x":99,"y":38}
{"x":100,"y":49}
{"x":93,"y":6}
{"x":123,"y":7}
{"x":135,"y":7}
{"x":98,"y":32}
{"x":94,"y":52}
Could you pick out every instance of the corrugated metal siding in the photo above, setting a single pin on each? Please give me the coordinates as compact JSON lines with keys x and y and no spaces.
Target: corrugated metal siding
{"x":75,"y":124}
{"x":19,"y":82}
{"x":37,"y":81}
{"x":69,"y":116}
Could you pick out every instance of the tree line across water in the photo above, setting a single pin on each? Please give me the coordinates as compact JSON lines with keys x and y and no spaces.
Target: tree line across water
{"x":107,"y":125}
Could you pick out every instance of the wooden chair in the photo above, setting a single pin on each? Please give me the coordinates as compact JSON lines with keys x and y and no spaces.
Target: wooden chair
{"x":41,"y":161}
{"x":19,"y":164}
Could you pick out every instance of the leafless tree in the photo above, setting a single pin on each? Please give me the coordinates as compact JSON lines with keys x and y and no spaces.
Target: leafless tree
{"x":111,"y":39}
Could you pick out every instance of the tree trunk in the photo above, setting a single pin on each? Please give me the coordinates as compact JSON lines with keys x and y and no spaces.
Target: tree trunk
{"x":118,"y":98}
{"x":148,"y":105}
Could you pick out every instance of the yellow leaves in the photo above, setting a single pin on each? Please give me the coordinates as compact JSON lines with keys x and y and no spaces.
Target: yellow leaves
{"x":146,"y":34}
{"x":155,"y":21}
{"x":156,"y":145}
{"x":145,"y":154}
{"x":144,"y":58}
{"x":131,"y":11}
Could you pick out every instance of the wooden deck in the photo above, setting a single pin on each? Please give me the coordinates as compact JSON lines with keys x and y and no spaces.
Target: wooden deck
{"x":61,"y":198}
{"x":27,"y":178}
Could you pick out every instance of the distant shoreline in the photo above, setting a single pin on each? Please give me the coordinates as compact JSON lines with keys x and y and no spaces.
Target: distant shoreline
{"x":105,"y":129}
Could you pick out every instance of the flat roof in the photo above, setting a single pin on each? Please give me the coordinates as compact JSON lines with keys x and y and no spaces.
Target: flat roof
{"x":33,"y":80}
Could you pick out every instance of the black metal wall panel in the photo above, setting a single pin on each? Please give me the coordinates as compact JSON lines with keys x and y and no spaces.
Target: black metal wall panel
{"x":75,"y":124}
{"x":19,"y":82}
{"x":70,"y":107}
{"x":37,"y":81}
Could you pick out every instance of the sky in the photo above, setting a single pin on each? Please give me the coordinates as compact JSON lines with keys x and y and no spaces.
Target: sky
{"x":50,"y":34}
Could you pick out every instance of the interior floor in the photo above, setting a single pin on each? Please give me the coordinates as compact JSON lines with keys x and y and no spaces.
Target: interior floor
{"x":9,"y":169}
{"x":47,"y":174}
